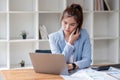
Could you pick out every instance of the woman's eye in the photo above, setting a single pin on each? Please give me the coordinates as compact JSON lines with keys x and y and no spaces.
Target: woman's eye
{"x":65,"y":22}
{"x":72,"y":24}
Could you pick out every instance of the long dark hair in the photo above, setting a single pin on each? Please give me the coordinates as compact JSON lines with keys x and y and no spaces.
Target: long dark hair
{"x":74,"y":10}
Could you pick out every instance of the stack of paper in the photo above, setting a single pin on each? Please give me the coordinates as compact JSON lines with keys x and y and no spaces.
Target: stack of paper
{"x":88,"y":74}
{"x":114,"y":73}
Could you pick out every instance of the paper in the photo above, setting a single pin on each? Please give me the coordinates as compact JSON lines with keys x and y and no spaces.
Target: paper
{"x":88,"y":74}
{"x":76,"y":76}
{"x":114,"y":73}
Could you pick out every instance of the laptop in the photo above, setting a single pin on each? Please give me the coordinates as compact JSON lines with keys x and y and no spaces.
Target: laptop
{"x":49,"y":63}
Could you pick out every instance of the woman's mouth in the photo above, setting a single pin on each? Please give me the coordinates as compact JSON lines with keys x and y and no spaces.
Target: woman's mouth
{"x":67,"y":31}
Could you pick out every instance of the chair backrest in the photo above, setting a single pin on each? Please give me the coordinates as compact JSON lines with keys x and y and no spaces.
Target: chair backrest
{"x":43,"y":51}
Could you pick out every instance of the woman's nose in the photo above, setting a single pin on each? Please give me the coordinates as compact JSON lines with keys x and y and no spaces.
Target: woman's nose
{"x":67,"y":26}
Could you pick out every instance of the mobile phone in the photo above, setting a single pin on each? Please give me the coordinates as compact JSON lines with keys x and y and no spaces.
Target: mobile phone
{"x":100,"y":68}
{"x":76,"y":30}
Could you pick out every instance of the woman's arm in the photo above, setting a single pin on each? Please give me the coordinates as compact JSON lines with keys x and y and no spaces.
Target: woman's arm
{"x":86,"y":55}
{"x":56,"y":44}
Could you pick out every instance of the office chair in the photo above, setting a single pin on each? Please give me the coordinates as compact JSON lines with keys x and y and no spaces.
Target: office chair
{"x":43,"y":51}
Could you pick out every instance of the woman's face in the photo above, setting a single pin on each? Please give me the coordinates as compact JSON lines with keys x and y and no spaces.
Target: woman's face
{"x":68,"y":25}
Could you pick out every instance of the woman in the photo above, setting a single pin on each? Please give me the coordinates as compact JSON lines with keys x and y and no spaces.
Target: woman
{"x":71,"y":40}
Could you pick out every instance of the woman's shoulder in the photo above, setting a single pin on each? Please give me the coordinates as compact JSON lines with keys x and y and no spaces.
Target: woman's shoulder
{"x":56,"y":34}
{"x":84,"y":32}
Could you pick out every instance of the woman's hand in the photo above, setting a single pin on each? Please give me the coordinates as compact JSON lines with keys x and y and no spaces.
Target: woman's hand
{"x":69,"y":66}
{"x":74,"y":36}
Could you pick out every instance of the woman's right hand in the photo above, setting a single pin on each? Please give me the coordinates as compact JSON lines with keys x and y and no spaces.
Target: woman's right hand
{"x":73,"y":37}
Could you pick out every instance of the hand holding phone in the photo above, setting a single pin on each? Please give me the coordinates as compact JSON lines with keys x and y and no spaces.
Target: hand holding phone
{"x":74,"y":36}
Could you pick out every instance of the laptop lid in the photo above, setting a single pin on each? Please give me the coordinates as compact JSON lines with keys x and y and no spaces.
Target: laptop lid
{"x":49,"y":63}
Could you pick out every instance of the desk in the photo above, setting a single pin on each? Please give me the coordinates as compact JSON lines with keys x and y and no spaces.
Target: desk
{"x":27,"y":74}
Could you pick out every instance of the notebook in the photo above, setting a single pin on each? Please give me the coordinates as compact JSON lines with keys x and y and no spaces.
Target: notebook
{"x":49,"y":63}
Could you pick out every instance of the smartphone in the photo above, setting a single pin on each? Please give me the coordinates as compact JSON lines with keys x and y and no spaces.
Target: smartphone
{"x":76,"y":30}
{"x":100,"y":68}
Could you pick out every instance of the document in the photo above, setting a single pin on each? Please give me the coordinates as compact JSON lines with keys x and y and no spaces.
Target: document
{"x":88,"y":74}
{"x":76,"y":76}
{"x":114,"y":72}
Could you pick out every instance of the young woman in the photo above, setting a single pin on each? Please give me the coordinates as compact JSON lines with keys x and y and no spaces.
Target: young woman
{"x":72,"y":40}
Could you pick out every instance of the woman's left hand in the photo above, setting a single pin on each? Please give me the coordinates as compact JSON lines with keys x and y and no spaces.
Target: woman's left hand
{"x":69,"y":66}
